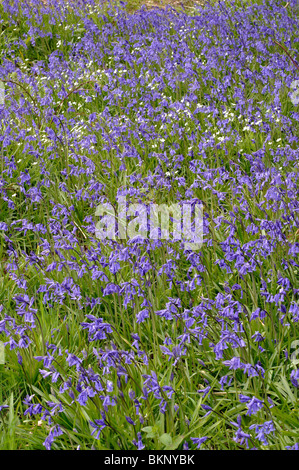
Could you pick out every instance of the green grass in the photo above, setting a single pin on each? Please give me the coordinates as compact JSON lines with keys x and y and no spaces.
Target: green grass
{"x":60,"y":323}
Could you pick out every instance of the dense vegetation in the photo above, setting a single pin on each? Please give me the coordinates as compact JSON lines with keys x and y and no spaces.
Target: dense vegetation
{"x":140,"y":343}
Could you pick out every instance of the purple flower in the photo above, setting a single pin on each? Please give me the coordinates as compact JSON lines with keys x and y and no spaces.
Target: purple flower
{"x":198,"y":441}
{"x":294,"y":447}
{"x":240,"y":435}
{"x":130,"y":421}
{"x":98,"y":425}
{"x":204,"y":391}
{"x":142,"y":315}
{"x":253,"y":404}
{"x":261,"y":430}
{"x":234,"y":363}
{"x":139,"y":444}
{"x":295,"y":378}
{"x":185,"y":445}
{"x":54,"y":432}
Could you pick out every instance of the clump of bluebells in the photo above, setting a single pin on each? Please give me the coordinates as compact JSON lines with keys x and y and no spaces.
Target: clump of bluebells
{"x":144,"y":344}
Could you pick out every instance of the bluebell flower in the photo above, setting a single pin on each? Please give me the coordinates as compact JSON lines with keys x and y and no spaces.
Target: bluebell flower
{"x":139,"y":444}
{"x":294,"y":447}
{"x":199,"y":441}
{"x":262,"y":430}
{"x":98,"y":425}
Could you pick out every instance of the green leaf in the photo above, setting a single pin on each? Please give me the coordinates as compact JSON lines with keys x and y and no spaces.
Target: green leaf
{"x":151,"y":431}
{"x":160,"y":425}
{"x":175,"y":443}
{"x":166,"y":439}
{"x":147,"y":429}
